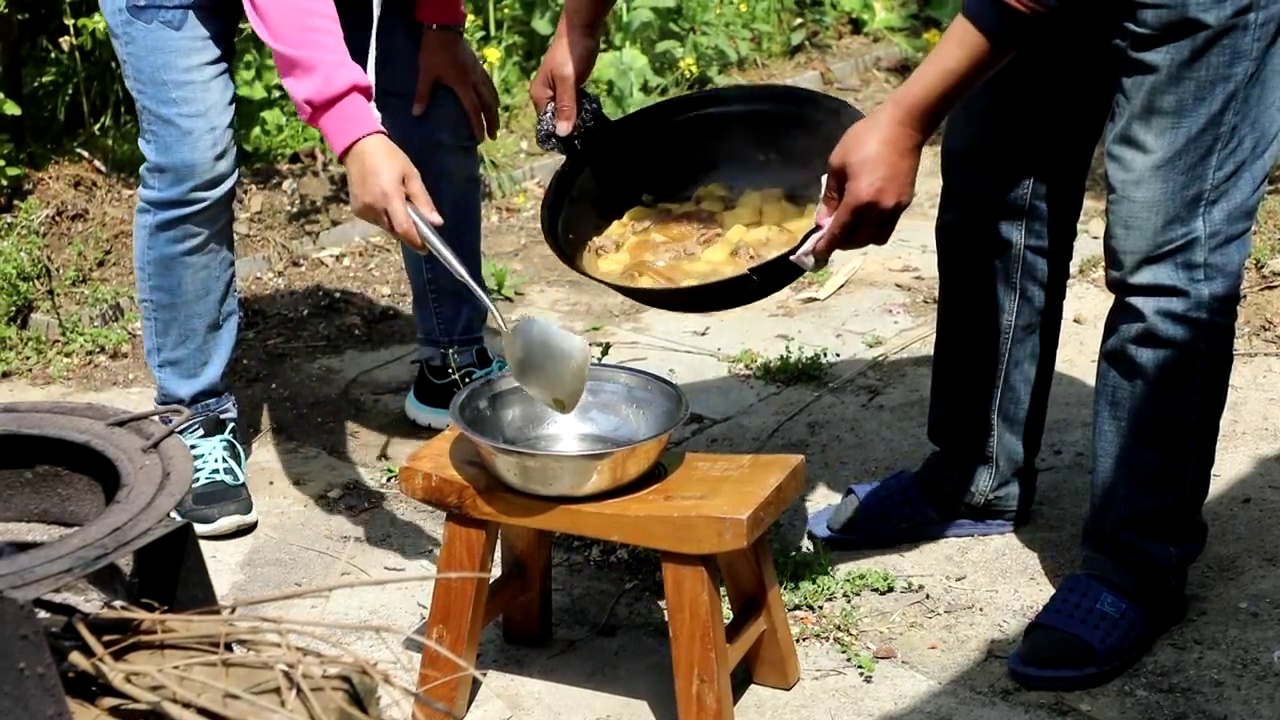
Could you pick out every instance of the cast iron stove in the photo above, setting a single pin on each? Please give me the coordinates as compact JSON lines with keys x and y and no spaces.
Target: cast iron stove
{"x":106,"y":481}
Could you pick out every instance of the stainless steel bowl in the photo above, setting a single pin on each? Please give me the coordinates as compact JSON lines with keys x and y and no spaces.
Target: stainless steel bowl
{"x":613,"y":437}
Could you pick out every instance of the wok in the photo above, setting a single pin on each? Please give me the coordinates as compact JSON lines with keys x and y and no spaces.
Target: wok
{"x":745,"y":136}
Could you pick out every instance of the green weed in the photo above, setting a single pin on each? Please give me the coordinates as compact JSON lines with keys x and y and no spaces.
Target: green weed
{"x":791,"y":367}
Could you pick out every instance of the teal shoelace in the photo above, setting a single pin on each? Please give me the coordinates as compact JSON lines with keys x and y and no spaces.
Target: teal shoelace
{"x":217,"y":458}
{"x":471,"y":375}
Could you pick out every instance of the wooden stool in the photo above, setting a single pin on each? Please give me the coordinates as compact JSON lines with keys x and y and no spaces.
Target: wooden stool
{"x":710,"y":510}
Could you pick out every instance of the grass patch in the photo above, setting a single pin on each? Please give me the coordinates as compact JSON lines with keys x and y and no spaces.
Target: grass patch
{"x":49,"y":319}
{"x":822,"y":600}
{"x":502,"y":281}
{"x":790,"y":367}
{"x":1266,"y":233}
{"x":1090,"y":266}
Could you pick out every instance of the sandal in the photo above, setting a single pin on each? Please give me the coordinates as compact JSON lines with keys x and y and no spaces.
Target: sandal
{"x":892,"y":512}
{"x":1118,"y":631}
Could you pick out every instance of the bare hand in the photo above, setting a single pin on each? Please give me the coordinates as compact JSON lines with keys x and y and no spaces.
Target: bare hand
{"x":871,"y":179}
{"x":565,"y":68}
{"x":381,"y":178}
{"x":444,"y":57}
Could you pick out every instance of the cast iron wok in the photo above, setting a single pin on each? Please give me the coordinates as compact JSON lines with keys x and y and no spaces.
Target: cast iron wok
{"x":745,"y":136}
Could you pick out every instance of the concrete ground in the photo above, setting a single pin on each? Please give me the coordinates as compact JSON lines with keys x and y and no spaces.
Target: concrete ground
{"x":329,"y":517}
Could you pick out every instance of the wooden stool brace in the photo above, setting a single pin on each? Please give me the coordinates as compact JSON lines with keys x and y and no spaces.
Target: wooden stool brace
{"x":707,"y":518}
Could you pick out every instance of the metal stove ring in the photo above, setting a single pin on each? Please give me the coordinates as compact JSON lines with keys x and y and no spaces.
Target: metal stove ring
{"x":154,"y":468}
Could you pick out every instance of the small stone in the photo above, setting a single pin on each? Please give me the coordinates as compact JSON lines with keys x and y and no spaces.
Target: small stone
{"x":240,"y":227}
{"x":1272,"y":268}
{"x":255,"y":203}
{"x":1096,"y":228}
{"x":884,"y":652}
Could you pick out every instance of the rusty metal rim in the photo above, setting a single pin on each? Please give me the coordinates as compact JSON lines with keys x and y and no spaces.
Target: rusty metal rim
{"x":155,"y":470}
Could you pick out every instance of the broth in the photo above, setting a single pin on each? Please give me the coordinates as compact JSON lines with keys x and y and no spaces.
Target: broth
{"x":711,"y":237}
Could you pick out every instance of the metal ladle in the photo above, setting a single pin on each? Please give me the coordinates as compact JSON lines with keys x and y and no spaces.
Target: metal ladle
{"x":549,"y":362}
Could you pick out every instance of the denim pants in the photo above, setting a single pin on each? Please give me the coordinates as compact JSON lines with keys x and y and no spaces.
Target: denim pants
{"x":176,"y":59}
{"x":1186,"y":95}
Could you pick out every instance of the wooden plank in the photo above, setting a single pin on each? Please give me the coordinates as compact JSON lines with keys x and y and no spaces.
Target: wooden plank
{"x":708,"y":503}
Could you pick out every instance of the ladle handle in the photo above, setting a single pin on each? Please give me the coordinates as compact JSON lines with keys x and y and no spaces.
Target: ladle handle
{"x":437,"y":246}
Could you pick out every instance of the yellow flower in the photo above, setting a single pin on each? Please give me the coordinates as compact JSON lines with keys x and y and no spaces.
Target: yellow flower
{"x":687,"y":66}
{"x":492,"y":55}
{"x":471,"y":20}
{"x":931,"y":38}
{"x":742,"y":7}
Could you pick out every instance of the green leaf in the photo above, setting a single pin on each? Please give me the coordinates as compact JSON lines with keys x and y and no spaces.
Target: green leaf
{"x":9,"y":107}
{"x":640,"y":17}
{"x":653,"y":4}
{"x":542,"y":26}
{"x":668,"y":47}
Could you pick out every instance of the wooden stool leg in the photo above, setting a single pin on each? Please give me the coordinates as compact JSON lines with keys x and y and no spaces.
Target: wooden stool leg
{"x":752,"y":586}
{"x":526,"y":555}
{"x":456,"y":619}
{"x":699,"y":655}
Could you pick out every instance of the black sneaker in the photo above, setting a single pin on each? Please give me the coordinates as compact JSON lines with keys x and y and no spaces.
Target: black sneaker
{"x":218,"y":502}
{"x":427,"y":404}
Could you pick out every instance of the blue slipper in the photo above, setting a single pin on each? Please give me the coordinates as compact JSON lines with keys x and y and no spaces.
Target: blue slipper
{"x":892,"y":512}
{"x":1119,"y":632}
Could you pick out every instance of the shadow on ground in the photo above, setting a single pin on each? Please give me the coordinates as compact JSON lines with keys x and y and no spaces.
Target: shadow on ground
{"x":286,"y":400}
{"x":1224,"y":660}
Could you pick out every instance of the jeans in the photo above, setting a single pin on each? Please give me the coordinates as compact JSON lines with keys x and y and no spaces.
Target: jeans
{"x":1186,"y":94}
{"x":176,"y":59}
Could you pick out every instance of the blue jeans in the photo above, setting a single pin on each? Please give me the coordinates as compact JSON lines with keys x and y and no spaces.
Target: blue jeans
{"x":176,"y":58}
{"x":1186,"y":94}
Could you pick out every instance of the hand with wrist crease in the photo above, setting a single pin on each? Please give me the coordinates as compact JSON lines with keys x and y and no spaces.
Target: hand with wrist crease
{"x":569,"y":61}
{"x":380,"y":179}
{"x":445,"y":58}
{"x":871,"y":174}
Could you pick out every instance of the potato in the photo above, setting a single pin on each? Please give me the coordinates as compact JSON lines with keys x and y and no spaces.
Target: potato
{"x":735,"y":233}
{"x":756,"y":235}
{"x":613,"y":263}
{"x":772,"y":195}
{"x":740,"y":215}
{"x":777,"y":212}
{"x":719,"y":251}
{"x":800,"y":225}
{"x":639,"y":213}
{"x":714,"y":191}
{"x":617,"y":229}
{"x":715,"y":205}
{"x":751,"y":199}
{"x":769,"y":235}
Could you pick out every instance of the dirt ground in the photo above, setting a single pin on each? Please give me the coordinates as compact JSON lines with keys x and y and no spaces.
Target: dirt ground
{"x":322,"y":369}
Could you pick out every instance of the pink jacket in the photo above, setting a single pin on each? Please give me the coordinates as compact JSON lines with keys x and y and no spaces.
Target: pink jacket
{"x":331,"y":91}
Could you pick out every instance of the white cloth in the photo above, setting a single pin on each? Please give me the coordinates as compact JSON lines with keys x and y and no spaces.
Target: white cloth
{"x":804,"y":256}
{"x":371,"y":64}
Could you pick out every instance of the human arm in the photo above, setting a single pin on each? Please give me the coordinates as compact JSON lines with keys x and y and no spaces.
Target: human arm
{"x":872,"y":171}
{"x":333,"y":94}
{"x":441,"y":12}
{"x":445,"y":57}
{"x":569,"y":60}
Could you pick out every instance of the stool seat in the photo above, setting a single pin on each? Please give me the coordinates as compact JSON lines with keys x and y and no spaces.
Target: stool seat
{"x":706,"y":513}
{"x":705,"y":503}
